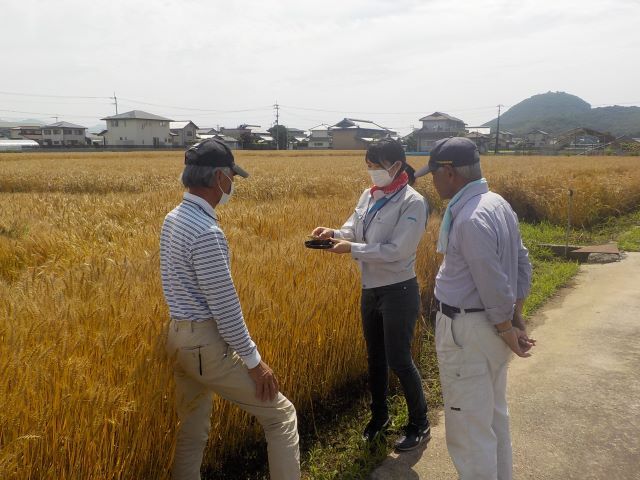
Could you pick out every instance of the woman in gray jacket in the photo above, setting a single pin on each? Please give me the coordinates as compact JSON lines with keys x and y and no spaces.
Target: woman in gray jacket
{"x":382,"y":235}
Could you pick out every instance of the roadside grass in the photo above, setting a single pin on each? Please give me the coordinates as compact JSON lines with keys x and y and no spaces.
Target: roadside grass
{"x":337,"y":451}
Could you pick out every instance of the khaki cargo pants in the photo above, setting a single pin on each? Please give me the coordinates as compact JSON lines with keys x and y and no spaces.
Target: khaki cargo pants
{"x":473,"y":364}
{"x":204,"y":364}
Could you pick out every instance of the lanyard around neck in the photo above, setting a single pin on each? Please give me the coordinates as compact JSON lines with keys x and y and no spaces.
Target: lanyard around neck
{"x":365,"y":224}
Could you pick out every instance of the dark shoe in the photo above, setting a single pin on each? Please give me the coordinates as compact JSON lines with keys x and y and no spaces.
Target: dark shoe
{"x":413,"y":436}
{"x":374,"y":428}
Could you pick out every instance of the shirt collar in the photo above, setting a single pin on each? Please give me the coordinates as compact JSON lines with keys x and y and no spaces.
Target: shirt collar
{"x":202,"y":203}
{"x":470,"y":192}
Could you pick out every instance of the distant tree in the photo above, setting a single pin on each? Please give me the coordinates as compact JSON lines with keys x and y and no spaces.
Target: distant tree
{"x":279,"y":134}
{"x":412,"y":142}
{"x":246,"y":140}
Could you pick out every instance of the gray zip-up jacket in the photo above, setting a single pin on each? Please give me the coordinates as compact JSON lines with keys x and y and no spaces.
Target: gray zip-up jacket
{"x":385,"y":244}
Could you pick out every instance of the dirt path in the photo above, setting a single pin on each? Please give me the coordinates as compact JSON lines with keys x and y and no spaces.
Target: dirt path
{"x":575,"y":405}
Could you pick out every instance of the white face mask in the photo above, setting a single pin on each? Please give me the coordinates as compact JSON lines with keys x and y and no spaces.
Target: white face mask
{"x":225,"y":196}
{"x":380,"y":178}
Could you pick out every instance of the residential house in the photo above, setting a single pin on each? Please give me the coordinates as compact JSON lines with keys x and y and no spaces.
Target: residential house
{"x":64,"y":134}
{"x":538,"y":139}
{"x":437,"y":126}
{"x":506,"y":140}
{"x":239,"y":131}
{"x":481,"y":136}
{"x":297,"y":138}
{"x":231,"y":142}
{"x":183,"y":133}
{"x":138,"y":128}
{"x":28,"y":132}
{"x":262,"y":138}
{"x":582,"y":139}
{"x":206,"y":131}
{"x":243,"y":133}
{"x":354,"y":134}
{"x":320,"y":136}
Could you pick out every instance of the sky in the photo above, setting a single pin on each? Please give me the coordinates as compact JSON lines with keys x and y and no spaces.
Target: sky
{"x":392,"y":62}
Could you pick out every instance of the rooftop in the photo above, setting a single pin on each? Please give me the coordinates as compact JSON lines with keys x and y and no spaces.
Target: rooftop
{"x":180,"y":125}
{"x":347,"y":123}
{"x":63,"y":125}
{"x":137,"y":114}
{"x":440,"y":116}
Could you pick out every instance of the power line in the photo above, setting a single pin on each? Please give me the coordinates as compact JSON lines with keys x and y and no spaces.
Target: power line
{"x":421,"y":112}
{"x":51,"y":96}
{"x":49,"y":114}
{"x":208,"y":110}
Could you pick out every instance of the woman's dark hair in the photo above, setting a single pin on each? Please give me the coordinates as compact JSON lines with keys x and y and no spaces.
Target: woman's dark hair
{"x":411,"y":172}
{"x":386,"y":150}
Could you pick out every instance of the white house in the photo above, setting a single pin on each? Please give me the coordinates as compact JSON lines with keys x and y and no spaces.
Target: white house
{"x":320,"y":136}
{"x":183,"y":133}
{"x":64,"y":134}
{"x":137,"y":128}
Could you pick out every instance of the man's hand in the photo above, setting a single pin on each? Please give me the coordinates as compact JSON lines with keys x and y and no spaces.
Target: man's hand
{"x":524,"y":341}
{"x":521,"y":330}
{"x":266,"y":382}
{"x":518,"y":344}
{"x":340,"y":246}
{"x":322,"y":232}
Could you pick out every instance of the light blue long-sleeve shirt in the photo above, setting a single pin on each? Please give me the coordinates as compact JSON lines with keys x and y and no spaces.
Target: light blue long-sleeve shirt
{"x":486,"y":264}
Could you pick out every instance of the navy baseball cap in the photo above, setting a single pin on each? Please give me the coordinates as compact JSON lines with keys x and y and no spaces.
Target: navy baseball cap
{"x":213,"y":152}
{"x":454,"y":151}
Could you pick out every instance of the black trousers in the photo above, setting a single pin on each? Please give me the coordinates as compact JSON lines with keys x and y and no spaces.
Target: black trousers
{"x":389,"y":315}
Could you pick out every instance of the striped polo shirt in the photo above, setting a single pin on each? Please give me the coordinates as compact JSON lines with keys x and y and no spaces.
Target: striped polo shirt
{"x":196,"y":274}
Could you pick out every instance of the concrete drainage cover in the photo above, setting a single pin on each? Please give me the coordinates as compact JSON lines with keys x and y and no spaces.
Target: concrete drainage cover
{"x":603,"y":257}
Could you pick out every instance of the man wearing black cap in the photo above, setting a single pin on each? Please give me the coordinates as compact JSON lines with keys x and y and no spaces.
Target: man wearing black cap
{"x":208,"y":340}
{"x":480,"y":289}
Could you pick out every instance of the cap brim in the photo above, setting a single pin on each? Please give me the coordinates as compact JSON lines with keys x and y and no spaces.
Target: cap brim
{"x":238,"y":170}
{"x":421,"y":172}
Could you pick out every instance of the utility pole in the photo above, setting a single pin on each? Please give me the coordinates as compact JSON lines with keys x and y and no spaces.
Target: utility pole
{"x":56,"y":117}
{"x":115,"y":100}
{"x":277,"y":108}
{"x":495,"y":151}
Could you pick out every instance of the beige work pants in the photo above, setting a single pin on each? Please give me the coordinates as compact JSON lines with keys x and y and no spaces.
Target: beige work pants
{"x":473,"y":364}
{"x":204,"y":363}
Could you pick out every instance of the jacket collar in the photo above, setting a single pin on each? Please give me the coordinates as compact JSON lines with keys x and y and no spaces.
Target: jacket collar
{"x":202,"y":203}
{"x":470,"y":192}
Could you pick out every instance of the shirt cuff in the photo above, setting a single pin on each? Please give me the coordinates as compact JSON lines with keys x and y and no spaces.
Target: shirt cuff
{"x":252,"y":361}
{"x":357,"y":249}
{"x":500,"y":314}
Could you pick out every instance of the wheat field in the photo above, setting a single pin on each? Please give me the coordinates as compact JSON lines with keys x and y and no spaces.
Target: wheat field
{"x":87,"y":390}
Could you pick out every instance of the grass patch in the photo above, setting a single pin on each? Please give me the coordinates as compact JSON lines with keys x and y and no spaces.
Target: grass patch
{"x":630,"y":240}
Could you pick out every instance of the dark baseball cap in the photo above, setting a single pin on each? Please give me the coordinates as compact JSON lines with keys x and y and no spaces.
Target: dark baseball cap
{"x":454,"y":151}
{"x":213,"y":152}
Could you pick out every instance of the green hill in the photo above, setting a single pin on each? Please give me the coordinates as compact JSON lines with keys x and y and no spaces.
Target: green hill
{"x":556,"y":112}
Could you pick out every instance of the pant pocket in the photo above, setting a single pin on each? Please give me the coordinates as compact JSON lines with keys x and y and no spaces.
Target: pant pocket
{"x":465,"y":387}
{"x":445,"y":341}
{"x":201,"y":361}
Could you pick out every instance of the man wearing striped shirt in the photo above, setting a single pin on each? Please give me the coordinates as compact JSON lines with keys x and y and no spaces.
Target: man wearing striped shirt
{"x":208,"y":340}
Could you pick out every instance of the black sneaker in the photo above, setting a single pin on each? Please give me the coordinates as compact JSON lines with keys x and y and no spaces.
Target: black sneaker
{"x":374,"y":428}
{"x":413,"y":436}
